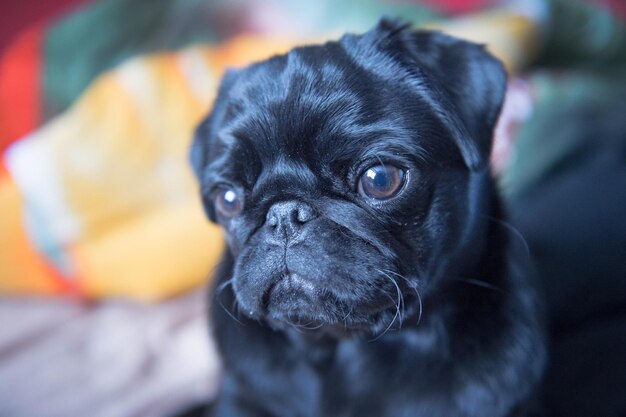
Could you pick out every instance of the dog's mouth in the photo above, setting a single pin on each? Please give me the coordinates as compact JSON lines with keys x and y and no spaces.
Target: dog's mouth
{"x":295,"y":300}
{"x":330,"y":280}
{"x":291,"y":292}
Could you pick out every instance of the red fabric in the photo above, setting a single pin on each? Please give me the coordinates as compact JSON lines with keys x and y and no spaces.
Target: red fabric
{"x":617,"y":6}
{"x":18,"y":14}
{"x":22,"y":31}
{"x":20,"y":82}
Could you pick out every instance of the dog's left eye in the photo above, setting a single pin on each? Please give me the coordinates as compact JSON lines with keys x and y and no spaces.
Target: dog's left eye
{"x":228,"y":202}
{"x":381,"y":182}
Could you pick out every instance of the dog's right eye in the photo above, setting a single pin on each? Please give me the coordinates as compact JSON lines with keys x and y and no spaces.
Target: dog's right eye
{"x":227,"y":201}
{"x":381,"y":182}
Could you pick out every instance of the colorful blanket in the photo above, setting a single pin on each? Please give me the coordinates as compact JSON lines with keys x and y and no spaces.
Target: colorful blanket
{"x":95,"y":191}
{"x":96,"y":200}
{"x":100,"y":200}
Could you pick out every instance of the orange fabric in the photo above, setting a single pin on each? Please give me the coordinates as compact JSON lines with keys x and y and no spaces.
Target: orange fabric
{"x":20,"y":86}
{"x":22,"y":269}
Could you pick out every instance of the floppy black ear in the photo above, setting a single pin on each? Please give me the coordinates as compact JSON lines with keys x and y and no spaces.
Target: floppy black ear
{"x":204,"y":137}
{"x":198,"y":150}
{"x":465,"y":82}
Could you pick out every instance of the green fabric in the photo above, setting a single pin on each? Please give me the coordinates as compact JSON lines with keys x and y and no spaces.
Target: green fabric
{"x":551,"y":141}
{"x":93,"y":39}
{"x":99,"y":37}
{"x":580,"y":35}
{"x":589,"y":43}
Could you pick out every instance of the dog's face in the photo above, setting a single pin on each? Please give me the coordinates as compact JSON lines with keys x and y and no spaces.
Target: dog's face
{"x":347,"y":176}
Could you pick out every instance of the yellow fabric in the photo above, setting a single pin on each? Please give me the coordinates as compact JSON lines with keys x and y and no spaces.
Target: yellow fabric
{"x":119,"y":161}
{"x":152,"y":240}
{"x":511,"y":37}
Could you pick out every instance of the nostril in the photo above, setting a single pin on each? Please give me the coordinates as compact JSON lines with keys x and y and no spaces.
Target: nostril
{"x":272,"y":219}
{"x":304,"y":214}
{"x":285,"y":219}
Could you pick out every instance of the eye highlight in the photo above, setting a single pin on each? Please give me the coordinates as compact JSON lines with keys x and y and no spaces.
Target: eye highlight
{"x":381,"y":182}
{"x":228,"y":201}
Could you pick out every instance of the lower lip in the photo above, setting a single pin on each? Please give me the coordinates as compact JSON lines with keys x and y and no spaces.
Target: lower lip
{"x":301,"y":283}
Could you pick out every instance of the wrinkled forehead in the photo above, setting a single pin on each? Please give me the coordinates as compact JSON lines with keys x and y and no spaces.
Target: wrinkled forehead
{"x":319,"y":103}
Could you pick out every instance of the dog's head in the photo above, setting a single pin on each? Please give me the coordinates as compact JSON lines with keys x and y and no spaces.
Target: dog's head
{"x":348,"y":176}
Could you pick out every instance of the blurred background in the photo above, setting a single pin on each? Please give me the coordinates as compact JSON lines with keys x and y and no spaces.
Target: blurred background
{"x":105,"y":253}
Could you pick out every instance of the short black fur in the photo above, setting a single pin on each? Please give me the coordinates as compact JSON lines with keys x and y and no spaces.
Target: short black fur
{"x":329,"y":303}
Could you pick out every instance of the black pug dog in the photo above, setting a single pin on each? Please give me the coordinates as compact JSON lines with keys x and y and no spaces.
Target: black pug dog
{"x":369,"y":271}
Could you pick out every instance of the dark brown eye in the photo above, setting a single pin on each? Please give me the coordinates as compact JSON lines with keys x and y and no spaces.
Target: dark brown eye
{"x":228,"y":202}
{"x":381,"y":182}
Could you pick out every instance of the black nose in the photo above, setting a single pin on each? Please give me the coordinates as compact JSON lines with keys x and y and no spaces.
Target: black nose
{"x":285,"y":220}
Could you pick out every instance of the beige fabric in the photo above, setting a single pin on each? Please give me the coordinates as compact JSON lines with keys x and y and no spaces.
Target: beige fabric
{"x":61,"y":358}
